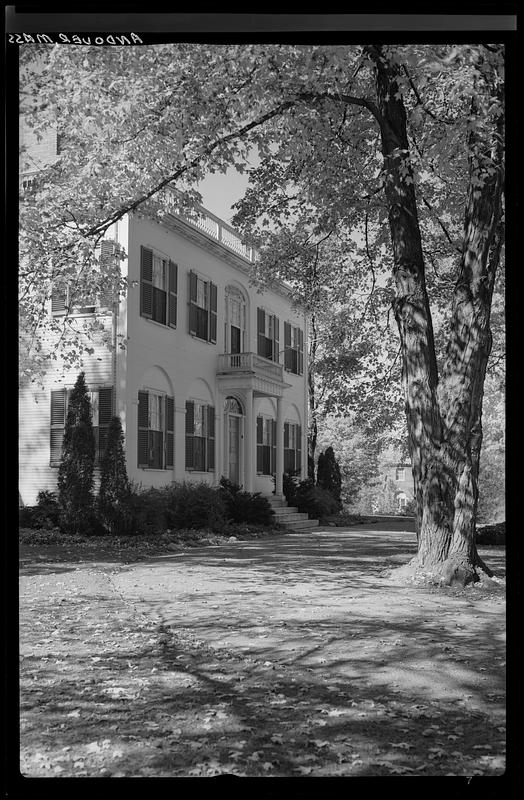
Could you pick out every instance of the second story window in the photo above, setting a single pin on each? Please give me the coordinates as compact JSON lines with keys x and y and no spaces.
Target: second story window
{"x":267,"y":334}
{"x":235,"y":321}
{"x":400,"y":474}
{"x":293,"y":349}
{"x":66,"y":299}
{"x":202,"y":308}
{"x":158,"y":288}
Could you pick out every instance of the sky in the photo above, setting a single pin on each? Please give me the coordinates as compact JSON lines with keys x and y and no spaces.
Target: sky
{"x":220,"y":191}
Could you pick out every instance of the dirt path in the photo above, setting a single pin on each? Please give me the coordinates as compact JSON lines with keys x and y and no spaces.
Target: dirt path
{"x":288,"y":656}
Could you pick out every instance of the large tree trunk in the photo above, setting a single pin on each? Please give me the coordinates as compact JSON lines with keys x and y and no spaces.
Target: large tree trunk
{"x":443,"y":418}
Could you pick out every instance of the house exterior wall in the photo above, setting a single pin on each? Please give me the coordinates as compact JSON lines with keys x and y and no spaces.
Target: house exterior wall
{"x":174,"y":363}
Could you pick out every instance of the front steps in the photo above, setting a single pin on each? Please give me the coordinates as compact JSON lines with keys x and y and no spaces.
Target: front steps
{"x":289,"y":516}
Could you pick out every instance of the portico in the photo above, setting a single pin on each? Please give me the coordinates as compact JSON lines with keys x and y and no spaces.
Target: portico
{"x":243,"y":379}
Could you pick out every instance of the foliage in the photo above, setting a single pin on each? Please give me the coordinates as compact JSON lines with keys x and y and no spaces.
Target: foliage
{"x":114,"y":493}
{"x":491,"y":534}
{"x":245,"y":507}
{"x":194,"y":505}
{"x":309,"y":498}
{"x":75,"y":473}
{"x":328,"y":473}
{"x":147,"y":510}
{"x":392,"y":155}
{"x":343,"y":520}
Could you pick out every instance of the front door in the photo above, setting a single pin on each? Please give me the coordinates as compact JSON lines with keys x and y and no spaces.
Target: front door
{"x":234,"y":448}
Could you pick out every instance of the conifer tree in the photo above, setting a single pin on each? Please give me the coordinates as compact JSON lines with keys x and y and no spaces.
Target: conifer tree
{"x":328,"y":473}
{"x":114,"y":493}
{"x":75,"y":473}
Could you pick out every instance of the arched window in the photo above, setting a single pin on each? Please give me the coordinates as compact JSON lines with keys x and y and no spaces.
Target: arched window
{"x":235,"y":338}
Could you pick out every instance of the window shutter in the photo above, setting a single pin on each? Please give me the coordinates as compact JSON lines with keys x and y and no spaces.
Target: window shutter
{"x":192,"y":302}
{"x":58,"y":300}
{"x":212,"y":313}
{"x":108,"y":253}
{"x":58,"y":412}
{"x":287,"y":345}
{"x":261,"y":326}
{"x":210,"y":438}
{"x":143,"y":425}
{"x":300,"y":351}
{"x":286,"y":434}
{"x":275,"y":339}
{"x":190,"y":429}
{"x":173,"y":292}
{"x":170,"y":432}
{"x":105,"y":412}
{"x":260,"y":447}
{"x":273,"y":446}
{"x":298,"y":463}
{"x":146,"y":282}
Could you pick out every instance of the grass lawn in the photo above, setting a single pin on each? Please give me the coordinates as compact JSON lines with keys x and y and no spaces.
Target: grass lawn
{"x":290,"y":655}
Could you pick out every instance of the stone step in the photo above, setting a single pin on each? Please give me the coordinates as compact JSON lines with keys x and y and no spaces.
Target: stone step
{"x":302,"y":525}
{"x":285,"y":519}
{"x":281,"y":512}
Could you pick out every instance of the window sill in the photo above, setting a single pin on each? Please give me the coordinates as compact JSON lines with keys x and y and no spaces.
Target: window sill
{"x":162,"y":325}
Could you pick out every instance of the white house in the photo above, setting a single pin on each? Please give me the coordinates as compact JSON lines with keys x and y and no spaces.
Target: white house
{"x":212,"y":381}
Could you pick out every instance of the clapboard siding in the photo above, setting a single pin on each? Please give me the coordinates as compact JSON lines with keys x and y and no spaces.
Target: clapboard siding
{"x":35,"y":417}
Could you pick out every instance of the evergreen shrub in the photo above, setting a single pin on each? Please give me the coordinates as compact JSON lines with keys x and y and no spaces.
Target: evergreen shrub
{"x":75,"y":473}
{"x":328,"y":474}
{"x":245,"y":507}
{"x":114,"y":507}
{"x":194,"y":505}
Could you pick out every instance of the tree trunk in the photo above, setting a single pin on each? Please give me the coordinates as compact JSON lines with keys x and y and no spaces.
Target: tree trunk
{"x":313,"y":421}
{"x":443,"y":419}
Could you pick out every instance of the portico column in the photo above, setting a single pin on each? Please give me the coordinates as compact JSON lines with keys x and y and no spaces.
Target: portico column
{"x":250,"y":451}
{"x":280,"y":449}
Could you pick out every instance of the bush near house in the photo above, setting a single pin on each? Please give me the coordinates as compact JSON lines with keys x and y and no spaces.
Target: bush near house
{"x":309,"y":498}
{"x":194,"y":505}
{"x":76,"y":470}
{"x":114,"y":495}
{"x":328,"y":474}
{"x":245,"y":507}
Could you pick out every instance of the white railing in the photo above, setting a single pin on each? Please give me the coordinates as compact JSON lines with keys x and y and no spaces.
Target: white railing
{"x":216,"y":229}
{"x":250,"y":362}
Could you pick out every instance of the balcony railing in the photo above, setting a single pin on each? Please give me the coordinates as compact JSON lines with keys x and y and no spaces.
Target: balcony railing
{"x":250,"y":362}
{"x":216,"y":229}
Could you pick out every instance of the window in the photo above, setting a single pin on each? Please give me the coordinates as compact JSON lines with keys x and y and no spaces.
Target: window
{"x":158,"y":288}
{"x":101,"y":413}
{"x":156,"y":430}
{"x":292,"y":447}
{"x":293,"y":349}
{"x":266,"y":446}
{"x":267,"y":334}
{"x":202,"y":308}
{"x":400,"y":474}
{"x":402,"y":500}
{"x":235,"y":322}
{"x":63,"y":298}
{"x":200,"y":436}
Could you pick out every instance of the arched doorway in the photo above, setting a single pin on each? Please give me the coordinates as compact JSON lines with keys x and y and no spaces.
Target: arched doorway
{"x":234,"y":432}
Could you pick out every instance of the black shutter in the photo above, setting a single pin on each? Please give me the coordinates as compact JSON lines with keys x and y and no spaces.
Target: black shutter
{"x":170,"y":433}
{"x":58,"y":300}
{"x":300,"y":352}
{"x":58,"y":412}
{"x":190,"y":430}
{"x":298,"y":461}
{"x":212,"y":313}
{"x":193,"y":280}
{"x":143,"y":425}
{"x":286,"y":435}
{"x":261,"y":338}
{"x":108,"y":252}
{"x":287,"y":345}
{"x":173,"y":291}
{"x":260,"y":446}
{"x":210,"y":438}
{"x":105,"y":412}
{"x":146,"y":282}
{"x":275,"y":339}
{"x":273,"y":467}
